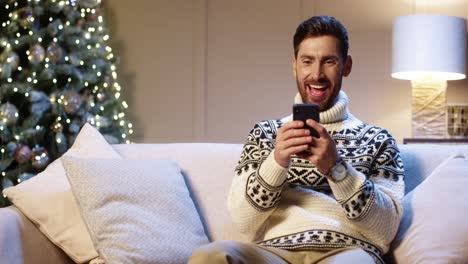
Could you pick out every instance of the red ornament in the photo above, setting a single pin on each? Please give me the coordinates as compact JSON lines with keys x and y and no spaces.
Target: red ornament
{"x":22,"y":154}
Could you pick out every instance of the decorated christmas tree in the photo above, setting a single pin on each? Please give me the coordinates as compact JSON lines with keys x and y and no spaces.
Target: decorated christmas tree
{"x":57,"y":72}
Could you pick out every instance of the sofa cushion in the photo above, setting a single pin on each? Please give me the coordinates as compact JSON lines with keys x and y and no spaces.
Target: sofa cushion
{"x":48,"y":201}
{"x":433,"y":228}
{"x":137,"y":211}
{"x":208,"y":169}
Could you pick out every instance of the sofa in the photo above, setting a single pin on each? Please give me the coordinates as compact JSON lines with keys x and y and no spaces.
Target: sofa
{"x":432,"y":229}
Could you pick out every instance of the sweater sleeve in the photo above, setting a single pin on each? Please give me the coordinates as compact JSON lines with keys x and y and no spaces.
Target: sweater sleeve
{"x":372,"y":199}
{"x":256,"y":188}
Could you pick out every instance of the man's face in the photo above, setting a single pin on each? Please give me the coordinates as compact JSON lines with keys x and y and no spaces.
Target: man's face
{"x":319,"y":69}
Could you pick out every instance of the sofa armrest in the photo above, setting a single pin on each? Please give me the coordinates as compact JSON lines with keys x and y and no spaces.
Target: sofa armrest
{"x":21,"y":242}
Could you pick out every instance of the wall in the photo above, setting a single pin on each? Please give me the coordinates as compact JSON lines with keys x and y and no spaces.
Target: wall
{"x":207,"y":70}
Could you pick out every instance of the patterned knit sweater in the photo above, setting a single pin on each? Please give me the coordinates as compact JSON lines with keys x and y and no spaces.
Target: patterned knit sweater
{"x":299,"y":209}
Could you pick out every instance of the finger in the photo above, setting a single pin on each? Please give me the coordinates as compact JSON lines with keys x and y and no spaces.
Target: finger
{"x":295,"y":149}
{"x":295,"y":133}
{"x":291,"y":125}
{"x":293,"y":146}
{"x":318,"y":127}
{"x":297,"y":141}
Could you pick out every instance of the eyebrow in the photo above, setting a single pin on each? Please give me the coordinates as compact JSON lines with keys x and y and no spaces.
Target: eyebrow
{"x":303,"y":56}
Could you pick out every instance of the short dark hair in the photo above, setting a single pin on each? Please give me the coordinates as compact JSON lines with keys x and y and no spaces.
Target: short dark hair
{"x":321,"y":26}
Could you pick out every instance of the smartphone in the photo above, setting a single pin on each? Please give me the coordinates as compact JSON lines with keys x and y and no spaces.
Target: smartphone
{"x":307,"y":111}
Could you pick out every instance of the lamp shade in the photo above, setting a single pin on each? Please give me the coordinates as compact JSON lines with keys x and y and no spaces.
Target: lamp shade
{"x":429,"y":45}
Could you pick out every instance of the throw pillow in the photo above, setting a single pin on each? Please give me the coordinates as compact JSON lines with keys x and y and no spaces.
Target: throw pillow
{"x":137,"y":211}
{"x":48,"y":201}
{"x":434,"y":228}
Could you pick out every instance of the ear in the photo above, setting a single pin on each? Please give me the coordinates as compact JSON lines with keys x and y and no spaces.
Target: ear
{"x":348,"y":65}
{"x":294,"y":67}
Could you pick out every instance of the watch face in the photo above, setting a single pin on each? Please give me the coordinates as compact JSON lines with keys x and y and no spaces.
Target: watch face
{"x":339,"y":172}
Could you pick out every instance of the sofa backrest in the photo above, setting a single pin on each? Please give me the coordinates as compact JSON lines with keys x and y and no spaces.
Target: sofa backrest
{"x":209,"y":168}
{"x":421,"y":159}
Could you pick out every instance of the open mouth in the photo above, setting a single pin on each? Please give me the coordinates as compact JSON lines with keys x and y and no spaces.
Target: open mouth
{"x":316,"y":91}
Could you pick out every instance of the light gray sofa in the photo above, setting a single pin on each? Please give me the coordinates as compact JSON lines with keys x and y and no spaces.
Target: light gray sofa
{"x":208,"y":170}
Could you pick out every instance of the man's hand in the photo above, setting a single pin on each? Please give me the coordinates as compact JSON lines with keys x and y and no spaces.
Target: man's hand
{"x":322,"y":151}
{"x":292,"y":138}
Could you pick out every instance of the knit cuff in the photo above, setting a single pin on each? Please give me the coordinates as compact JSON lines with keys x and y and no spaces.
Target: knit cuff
{"x":271,"y":172}
{"x":344,"y":189}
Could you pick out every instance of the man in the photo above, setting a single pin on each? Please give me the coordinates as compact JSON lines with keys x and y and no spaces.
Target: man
{"x":340,"y":202}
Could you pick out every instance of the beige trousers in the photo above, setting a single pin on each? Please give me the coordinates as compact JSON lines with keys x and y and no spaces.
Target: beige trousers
{"x":236,"y":253}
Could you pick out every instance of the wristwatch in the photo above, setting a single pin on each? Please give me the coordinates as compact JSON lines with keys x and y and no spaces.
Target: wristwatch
{"x":339,"y":171}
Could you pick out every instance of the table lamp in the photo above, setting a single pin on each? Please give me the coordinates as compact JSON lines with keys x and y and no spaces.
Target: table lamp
{"x":429,"y":50}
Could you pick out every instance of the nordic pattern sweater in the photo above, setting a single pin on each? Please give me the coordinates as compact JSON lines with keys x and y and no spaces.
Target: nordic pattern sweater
{"x":298,"y":208}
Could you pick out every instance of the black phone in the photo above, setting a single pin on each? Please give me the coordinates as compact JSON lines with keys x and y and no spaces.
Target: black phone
{"x":307,"y":111}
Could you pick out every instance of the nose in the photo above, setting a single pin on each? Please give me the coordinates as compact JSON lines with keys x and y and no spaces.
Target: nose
{"x":316,"y":71}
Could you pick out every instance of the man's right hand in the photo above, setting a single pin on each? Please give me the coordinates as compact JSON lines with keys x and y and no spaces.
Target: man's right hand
{"x":292,"y":138}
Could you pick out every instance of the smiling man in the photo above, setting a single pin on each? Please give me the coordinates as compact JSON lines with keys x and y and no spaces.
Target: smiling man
{"x":340,"y":202}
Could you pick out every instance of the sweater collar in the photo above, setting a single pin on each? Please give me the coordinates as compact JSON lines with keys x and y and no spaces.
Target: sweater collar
{"x":337,"y":113}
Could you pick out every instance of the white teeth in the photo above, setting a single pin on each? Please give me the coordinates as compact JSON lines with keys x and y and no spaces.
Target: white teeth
{"x":316,"y":86}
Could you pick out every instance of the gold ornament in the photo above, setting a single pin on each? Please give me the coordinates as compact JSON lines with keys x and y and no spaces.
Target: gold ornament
{"x":36,"y":54}
{"x":8,"y":114}
{"x":54,"y":53}
{"x":24,"y":16}
{"x":71,"y":101}
{"x":10,"y":57}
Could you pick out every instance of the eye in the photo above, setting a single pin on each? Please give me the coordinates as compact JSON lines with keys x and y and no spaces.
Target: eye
{"x":330,"y":61}
{"x":306,"y":62}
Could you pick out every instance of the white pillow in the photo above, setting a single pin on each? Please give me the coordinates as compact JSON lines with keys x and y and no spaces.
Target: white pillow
{"x":434,"y":227}
{"x":48,"y":201}
{"x":137,"y":211}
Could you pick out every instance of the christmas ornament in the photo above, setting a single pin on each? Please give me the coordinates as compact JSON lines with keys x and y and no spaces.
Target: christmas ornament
{"x":36,"y":54}
{"x":101,"y":96}
{"x":22,"y":154}
{"x":39,"y":157}
{"x":71,"y":101}
{"x":8,"y":114}
{"x":54,"y":52}
{"x":24,"y":16}
{"x":10,"y":57}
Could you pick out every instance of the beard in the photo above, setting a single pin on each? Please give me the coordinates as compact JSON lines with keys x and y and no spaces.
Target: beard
{"x":325,"y":104}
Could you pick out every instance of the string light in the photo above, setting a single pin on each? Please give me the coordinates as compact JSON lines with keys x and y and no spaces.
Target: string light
{"x":29,"y":37}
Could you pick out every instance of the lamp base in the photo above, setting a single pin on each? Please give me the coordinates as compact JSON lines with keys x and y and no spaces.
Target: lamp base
{"x":428,"y":108}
